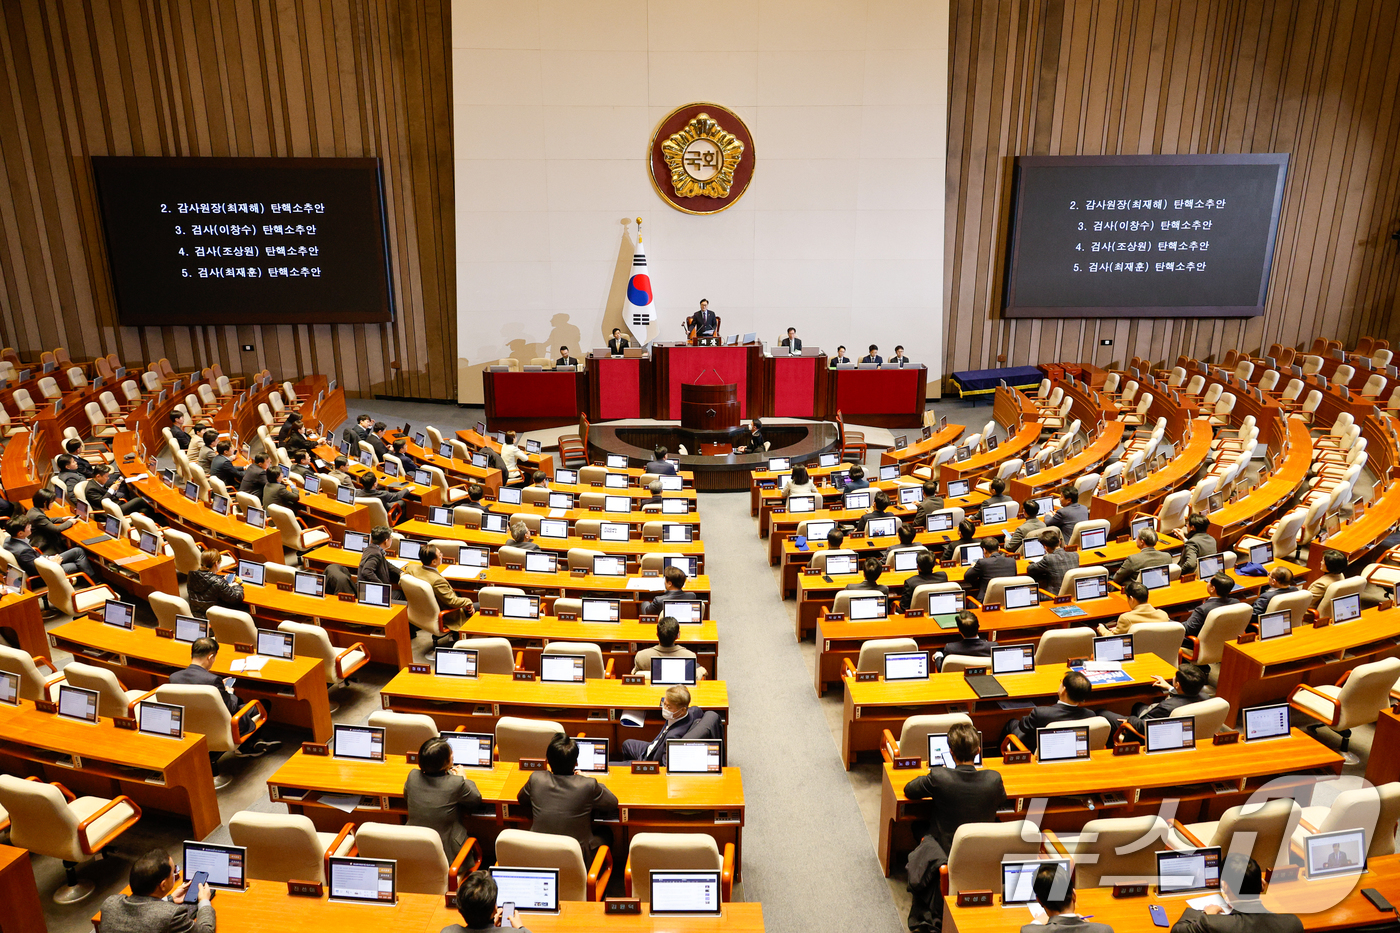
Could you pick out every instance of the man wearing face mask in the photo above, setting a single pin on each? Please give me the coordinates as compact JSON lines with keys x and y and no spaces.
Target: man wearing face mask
{"x":679,"y":716}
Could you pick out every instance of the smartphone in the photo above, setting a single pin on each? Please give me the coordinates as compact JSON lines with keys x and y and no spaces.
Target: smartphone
{"x":1159,"y":914}
{"x":192,"y":892}
{"x":1377,"y":898}
{"x":507,"y":911}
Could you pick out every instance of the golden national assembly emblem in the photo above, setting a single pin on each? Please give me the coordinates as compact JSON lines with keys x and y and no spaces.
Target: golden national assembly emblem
{"x":701,"y":158}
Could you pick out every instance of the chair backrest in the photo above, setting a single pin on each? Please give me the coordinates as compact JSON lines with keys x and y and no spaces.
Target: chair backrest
{"x":518,"y":738}
{"x":1222,"y":625}
{"x":60,"y":589}
{"x":1343,"y":587}
{"x":493,"y":655}
{"x":1296,"y":603}
{"x":1087,"y":525}
{"x":404,"y":732}
{"x":421,"y":865}
{"x":913,"y":735}
{"x":1175,"y":508}
{"x":974,"y":860}
{"x":957,"y":663}
{"x":820,"y":558}
{"x":520,"y":849}
{"x":167,"y":607}
{"x":1367,"y":692}
{"x":512,"y":556}
{"x":493,"y":597}
{"x":111,"y":695}
{"x":592,"y":655}
{"x":996,"y":588}
{"x":650,"y":852}
{"x":40,"y":819}
{"x":1269,"y":381}
{"x":1059,"y":645}
{"x":205,"y":713}
{"x":232,"y":626}
{"x":923,"y":592}
{"x":1374,"y":808}
{"x":312,"y":641}
{"x":422,"y":604}
{"x":378,"y":515}
{"x":1117,"y":858}
{"x":1212,"y":395}
{"x":872,"y":652}
{"x":281,"y":846}
{"x":1262,"y":830}
{"x":1210,"y":714}
{"x":31,"y":681}
{"x":1067,"y":583}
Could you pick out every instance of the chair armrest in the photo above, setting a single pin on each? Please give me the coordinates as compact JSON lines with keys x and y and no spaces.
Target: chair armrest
{"x":848,"y":667}
{"x":1051,"y":845}
{"x":41,"y":661}
{"x":455,"y":869}
{"x":1189,"y":654}
{"x":87,"y":845}
{"x":1187,"y":834}
{"x":1301,"y":688}
{"x":726,"y":882}
{"x":599,"y":874}
{"x":520,"y":660}
{"x":943,"y":878}
{"x":131,"y":707}
{"x":68,"y":795}
{"x":340,"y":658}
{"x":345,"y":830}
{"x":1122,"y":728}
{"x":259,"y":712}
{"x":889,"y":748}
{"x":608,"y":669}
{"x":1012,"y":744}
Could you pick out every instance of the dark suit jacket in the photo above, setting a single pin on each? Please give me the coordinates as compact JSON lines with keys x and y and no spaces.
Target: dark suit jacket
{"x":930,"y":504}
{"x":254,"y":479}
{"x":24,"y":553}
{"x":792,"y":343}
{"x":375,"y":567}
{"x":1044,"y":716}
{"x":977,"y":647}
{"x":566,"y":361}
{"x":1049,"y":571}
{"x":376,"y":442}
{"x":439,"y":801}
{"x":1066,"y":517}
{"x":1248,"y":917}
{"x":958,"y":795}
{"x":1196,"y":547}
{"x":672,"y":730}
{"x":1268,"y":593}
{"x":617,"y":345}
{"x":71,"y":479}
{"x":1197,"y":618}
{"x":705,"y":322}
{"x":196,"y":676}
{"x":653,"y":606}
{"x":1063,"y":924}
{"x":877,"y":587}
{"x":835,"y":360}
{"x":223,"y":468}
{"x":276,"y":493}
{"x":45,"y":533}
{"x":181,"y":437}
{"x":565,"y":804}
{"x":988,"y":569}
{"x":1164,"y":707}
{"x":860,"y":522}
{"x":906,"y":595}
{"x":875,"y":358}
{"x":901,"y":360}
{"x":661,"y":467}
{"x":131,"y":913}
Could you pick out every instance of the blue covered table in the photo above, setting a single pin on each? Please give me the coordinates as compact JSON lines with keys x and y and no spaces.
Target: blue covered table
{"x":984,"y":381}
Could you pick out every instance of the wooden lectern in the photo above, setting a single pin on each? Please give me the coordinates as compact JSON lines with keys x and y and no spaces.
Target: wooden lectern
{"x":709,"y":407}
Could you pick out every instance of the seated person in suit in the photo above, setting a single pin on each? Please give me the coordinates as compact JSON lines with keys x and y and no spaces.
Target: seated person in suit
{"x":1220,"y":587}
{"x":958,"y":795}
{"x":965,"y":532}
{"x":520,"y":537}
{"x":293,"y":435}
{"x":565,"y":803}
{"x":1139,"y":610}
{"x":223,"y":467}
{"x":156,"y":903}
{"x":906,"y":535}
{"x":927,"y":574}
{"x":880,"y":505}
{"x":756,"y":439}
{"x":374,"y":565}
{"x":856,"y":479}
{"x":200,"y":673}
{"x":438,"y":795}
{"x":1075,"y":690}
{"x":994,"y":565}
{"x":675,"y":589}
{"x":678,"y":715}
{"x":969,"y":643}
{"x":1199,"y":543}
{"x":617,"y":343}
{"x":660,"y":465}
{"x":1182,"y":690}
{"x":998,"y":487}
{"x":654,"y":496}
{"x":932,"y":502}
{"x":840,"y":358}
{"x":369,"y":487}
{"x":871,"y":569}
{"x":476,"y":902}
{"x":1054,"y":892}
{"x":476,"y":498}
{"x":255,"y":477}
{"x":340,"y":472}
{"x":108,"y":484}
{"x":799,"y":483}
{"x":1280,"y":584}
{"x":899,"y":357}
{"x":1147,"y":556}
{"x":399,"y":449}
{"x":1027,"y":528}
{"x":1241,"y":883}
{"x":1049,"y":571}
{"x":835,"y":538}
{"x":1070,"y":512}
{"x":539,"y":479}
{"x":361,"y":430}
{"x":48,"y":533}
{"x":375,"y":439}
{"x":207,"y":450}
{"x":74,"y":448}
{"x":873,"y":356}
{"x":70,"y":474}
{"x":177,"y":429}
{"x":429,"y":570}
{"x":281,"y":492}
{"x":73,"y":560}
{"x":565,"y":359}
{"x":791,"y":342}
{"x":705,"y":322}
{"x":208,"y":588}
{"x":667,"y":631}
{"x":1335,"y":563}
{"x":301,"y":463}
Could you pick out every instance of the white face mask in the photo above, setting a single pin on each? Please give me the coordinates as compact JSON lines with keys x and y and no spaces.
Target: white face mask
{"x":667,"y":715}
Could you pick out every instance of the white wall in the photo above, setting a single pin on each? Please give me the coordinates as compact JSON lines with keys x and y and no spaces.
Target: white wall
{"x":840,"y":233}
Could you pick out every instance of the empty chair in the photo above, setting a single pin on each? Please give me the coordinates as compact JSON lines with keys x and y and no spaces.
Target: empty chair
{"x":296,"y":535}
{"x":1175,"y":508}
{"x":64,"y":597}
{"x":1356,"y":700}
{"x":1262,"y":830}
{"x":1209,"y":714}
{"x":285,"y":847}
{"x":33,"y":684}
{"x":650,"y":852}
{"x":577,"y":882}
{"x":974,"y":859}
{"x":518,"y":738}
{"x":1068,"y":582}
{"x":493,"y":655}
{"x":1085,"y":526}
{"x":872,"y":652}
{"x":1059,"y":645}
{"x":48,"y":820}
{"x":1375,"y":384}
{"x":996,"y":588}
{"x":404,"y":733}
{"x":922,"y":593}
{"x":167,"y":607}
{"x":594,"y":667}
{"x":231,"y":626}
{"x":1343,"y":375}
{"x":1269,"y":381}
{"x":113,"y":700}
{"x":312,"y":641}
{"x":1369,"y":807}
{"x":421,"y":867}
{"x":206,"y":714}
{"x":1105,"y":852}
{"x":493,"y":597}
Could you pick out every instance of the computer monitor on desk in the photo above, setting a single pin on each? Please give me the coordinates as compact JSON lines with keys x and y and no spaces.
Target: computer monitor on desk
{"x":970,"y":554}
{"x":9,"y":688}
{"x":958,"y":488}
{"x":309,"y":584}
{"x":1020,"y":596}
{"x":562,"y":669}
{"x":1275,"y":625}
{"x":880,"y":527}
{"x":1170,"y":735}
{"x":542,"y":562}
{"x":616,"y":532}
{"x":601,"y":610}
{"x":532,"y":889}
{"x":1346,"y":608}
{"x":251,"y":572}
{"x":994,"y":514}
{"x":1062,"y":743}
{"x":906,"y":665}
{"x":1261,"y":723}
{"x":1338,"y":853}
{"x":1013,"y":659}
{"x":1092,"y":538}
{"x":119,"y":614}
{"x":1093,"y":587}
{"x":554,"y":528}
{"x":860,"y":499}
{"x":837,"y":564}
{"x":455,"y":662}
{"x":471,"y":749}
{"x":77,"y":703}
{"x":939,"y":521}
{"x":1208,"y":567}
{"x":694,"y":756}
{"x":361,"y":743}
{"x":1113,"y":648}
{"x":362,"y":880}
{"x":1188,"y":871}
{"x":160,"y":719}
{"x":674,"y":507}
{"x":686,"y":893}
{"x":685,"y":611}
{"x":1018,"y":879}
{"x":225,"y":865}
{"x":561,"y":500}
{"x":1155,"y":578}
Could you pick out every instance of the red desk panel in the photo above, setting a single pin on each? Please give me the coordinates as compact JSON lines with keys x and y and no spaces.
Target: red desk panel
{"x":887,"y":397}
{"x":794,"y":382}
{"x":619,"y":388}
{"x":707,"y":365}
{"x":534,"y":395}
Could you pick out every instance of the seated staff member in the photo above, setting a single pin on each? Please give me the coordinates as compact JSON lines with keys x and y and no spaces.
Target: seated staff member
{"x":879,"y":509}
{"x":1054,"y":892}
{"x":1334,"y":562}
{"x":438,"y":795}
{"x":73,"y":560}
{"x":927,"y":574}
{"x":617,"y":343}
{"x":994,"y":565}
{"x":399,"y":449}
{"x":74,"y":448}
{"x":374,"y":565}
{"x":667,"y":631}
{"x":791,"y":342}
{"x":280,"y":492}
{"x":799,"y":483}
{"x":48,"y":533}
{"x":222,"y":466}
{"x":156,"y":903}
{"x":1219,"y":587}
{"x":1069,"y":514}
{"x":359,"y":431}
{"x":654,"y":496}
{"x":906,"y":534}
{"x":1280,"y":584}
{"x":1147,"y":557}
{"x":1242,"y":883}
{"x":1049,"y":572}
{"x":476,"y":902}
{"x":965,"y":532}
{"x":301,"y":463}
{"x":1198,"y":543}
{"x":106,"y":484}
{"x":375,"y":439}
{"x":1075,"y":690}
{"x":1183,"y":690}
{"x":998,"y":487}
{"x":840,"y":358}
{"x":208,"y":588}
{"x":520,"y":537}
{"x":340,"y":473}
{"x":675,"y":589}
{"x":370,"y":488}
{"x":856,"y":479}
{"x":201,"y":447}
{"x":899,"y":358}
{"x":660,"y":466}
{"x":427,"y":570}
{"x":931,"y":502}
{"x":200,"y":673}
{"x":756,"y":439}
{"x":70,"y":473}
{"x":1139,"y":611}
{"x":565,"y":803}
{"x":871,"y":569}
{"x":873,"y":356}
{"x":564,"y":358}
{"x":294,"y":436}
{"x":970,"y":642}
{"x":958,"y":795}
{"x":177,"y":429}
{"x":512,"y":455}
{"x":1027,"y":528}
{"x":255,"y":477}
{"x":678,"y":715}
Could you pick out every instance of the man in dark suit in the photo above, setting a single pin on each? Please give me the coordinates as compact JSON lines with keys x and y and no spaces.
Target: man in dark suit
{"x":932,"y":502}
{"x":200,"y":674}
{"x":1280,"y":584}
{"x":998,"y":487}
{"x":1054,"y":892}
{"x":476,"y":902}
{"x":1198,"y":543}
{"x":1027,"y":528}
{"x":704,"y":322}
{"x":1049,"y":572}
{"x":756,"y":439}
{"x":1220,"y":587}
{"x":223,"y":467}
{"x":792,"y":342}
{"x":873,"y":356}
{"x":899,"y":358}
{"x":995,"y":564}
{"x":73,"y":560}
{"x":965,"y":532}
{"x":679,"y":716}
{"x":370,"y":488}
{"x":106,"y":484}
{"x":906,"y":535}
{"x":1074,"y":693}
{"x":48,"y":534}
{"x":957,"y":796}
{"x":880,"y":506}
{"x":661,"y":466}
{"x":618,"y":343}
{"x":565,"y":359}
{"x":925,"y":575}
{"x":520,"y":537}
{"x":156,"y":903}
{"x":871,"y":570}
{"x":357,"y":432}
{"x":374,"y":565}
{"x":255,"y":477}
{"x":280,"y":492}
{"x":1146,"y":557}
{"x":1183,"y":690}
{"x":969,"y":642}
{"x":655,"y":498}
{"x":375,"y":440}
{"x":1070,"y":512}
{"x":74,"y":448}
{"x":69,"y":473}
{"x":840,"y":358}
{"x":177,"y":429}
{"x":1242,"y":883}
{"x":675,"y":589}
{"x":565,"y":803}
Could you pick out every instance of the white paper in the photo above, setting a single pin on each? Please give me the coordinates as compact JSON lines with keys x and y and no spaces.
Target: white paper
{"x":1201,"y":903}
{"x":1103,"y":665}
{"x":1037,"y":912}
{"x":250,"y":665}
{"x":649,"y":584}
{"x":557,"y":513}
{"x":138,"y":477}
{"x":346,"y":802}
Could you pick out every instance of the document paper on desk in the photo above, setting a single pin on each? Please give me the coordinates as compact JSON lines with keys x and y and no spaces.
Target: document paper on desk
{"x":558,"y":513}
{"x":1209,"y":900}
{"x":249,"y":665}
{"x":346,"y":802}
{"x":649,"y":584}
{"x":132,"y":559}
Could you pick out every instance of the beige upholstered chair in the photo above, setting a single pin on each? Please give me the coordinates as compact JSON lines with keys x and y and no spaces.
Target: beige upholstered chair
{"x":493,"y":655}
{"x":872,"y":652}
{"x":1221,"y":625}
{"x":650,"y":852}
{"x":594,"y":667}
{"x":167,"y":607}
{"x":1374,"y":808}
{"x":206,"y":714}
{"x":1344,"y":587}
{"x":232,"y":626}
{"x":296,"y":535}
{"x":1079,"y":573}
{"x":1059,"y":645}
{"x":518,"y":738}
{"x":1160,"y":638}
{"x":974,"y":860}
{"x":284,"y":847}
{"x":957,"y":663}
{"x":422,"y":867}
{"x":997,"y":588}
{"x":1267,"y":828}
{"x":1356,"y":700}
{"x":33,"y":684}
{"x":47,"y":819}
{"x":404,"y":732}
{"x":820,"y":558}
{"x":1209,"y":715}
{"x":113,"y":700}
{"x":582,"y":558}
{"x":922,"y":593}
{"x":1087,"y":525}
{"x":1104,"y":853}
{"x":517,"y":848}
{"x":913,"y":735}
{"x":493,"y":597}
{"x":423,"y":611}
{"x":64,"y":597}
{"x":312,"y":641}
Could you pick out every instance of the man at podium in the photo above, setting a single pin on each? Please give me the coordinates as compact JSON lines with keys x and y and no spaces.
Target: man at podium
{"x":704,"y":322}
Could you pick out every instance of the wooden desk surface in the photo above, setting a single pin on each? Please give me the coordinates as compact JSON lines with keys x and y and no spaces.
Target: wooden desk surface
{"x":550,"y":628}
{"x":921,"y":449}
{"x":265,"y":543}
{"x":1105,"y":442}
{"x":384,"y":632}
{"x":503,"y":690}
{"x":144,"y":644}
{"x":1187,"y":461}
{"x":1227,"y":525}
{"x":564,"y":582}
{"x":477,"y":538}
{"x":988,"y":460}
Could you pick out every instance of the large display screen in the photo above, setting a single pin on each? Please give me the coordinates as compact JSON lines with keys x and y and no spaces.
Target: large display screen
{"x":1142,"y":236}
{"x":245,"y":241}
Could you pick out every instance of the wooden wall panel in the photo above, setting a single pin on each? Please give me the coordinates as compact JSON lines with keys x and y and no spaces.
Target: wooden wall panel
{"x":1315,"y":78}
{"x":80,"y":78}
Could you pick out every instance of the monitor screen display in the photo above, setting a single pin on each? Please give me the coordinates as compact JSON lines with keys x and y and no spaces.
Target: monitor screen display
{"x":122,"y":615}
{"x":496,"y":524}
{"x":776,"y":464}
{"x":674,"y":507}
{"x":686,"y":893}
{"x":694,"y":756}
{"x":906,"y":665}
{"x":939,"y":521}
{"x":455,"y":662}
{"x":617,"y":504}
{"x":532,"y":889}
{"x":1117,"y":648}
{"x":562,"y":668}
{"x":677,"y":533}
{"x":1141,"y":523}
{"x":470,"y":749}
{"x":473,"y":557}
{"x":825,"y":461}
{"x":615,"y":481}
{"x":840,"y":564}
{"x":223,"y":864}
{"x":910,"y":496}
{"x":592,"y":755}
{"x":364,"y":743}
{"x":566,"y":477}
{"x":944,"y":603}
{"x":508,"y":495}
{"x":77,"y":703}
{"x":609,"y":565}
{"x":1346,"y":608}
{"x":160,"y":719}
{"x":1275,"y":624}
{"x":617,"y":462}
{"x":520,"y":607}
{"x":1183,"y":870}
{"x":275,"y":644}
{"x":1095,"y":587}
{"x":1021,"y":596}
{"x":9,"y":688}
{"x":1262,"y":553}
{"x":685,"y":611}
{"x":906,"y":560}
{"x":256,"y":517}
{"x":188,"y":629}
{"x":309,"y":584}
{"x":1018,"y":878}
{"x":439,"y":515}
{"x":1154,"y":578}
{"x":864,"y":608}
{"x":361,"y":880}
{"x":1093,"y":537}
{"x":858,"y":500}
{"x":1062,"y":744}
{"x":251,"y":571}
{"x":1170,"y":735}
{"x":554,"y":528}
{"x":601,"y":610}
{"x":148,"y":543}
{"x":616,"y":532}
{"x":673,"y":671}
{"x":1266,"y":722}
{"x":373,"y":594}
{"x":880,"y":527}
{"x":959,"y":487}
{"x":355,"y":541}
{"x":1013,"y":659}
{"x":801,"y":503}
{"x":1339,"y":853}
{"x":541,"y":561}
{"x":939,"y":754}
{"x":561,"y":500}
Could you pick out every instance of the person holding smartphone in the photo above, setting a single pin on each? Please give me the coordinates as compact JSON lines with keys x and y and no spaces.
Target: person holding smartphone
{"x":158,"y":901}
{"x":476,"y":902}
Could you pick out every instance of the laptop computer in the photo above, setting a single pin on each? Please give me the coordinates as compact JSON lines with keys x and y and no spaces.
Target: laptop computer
{"x":362,"y":880}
